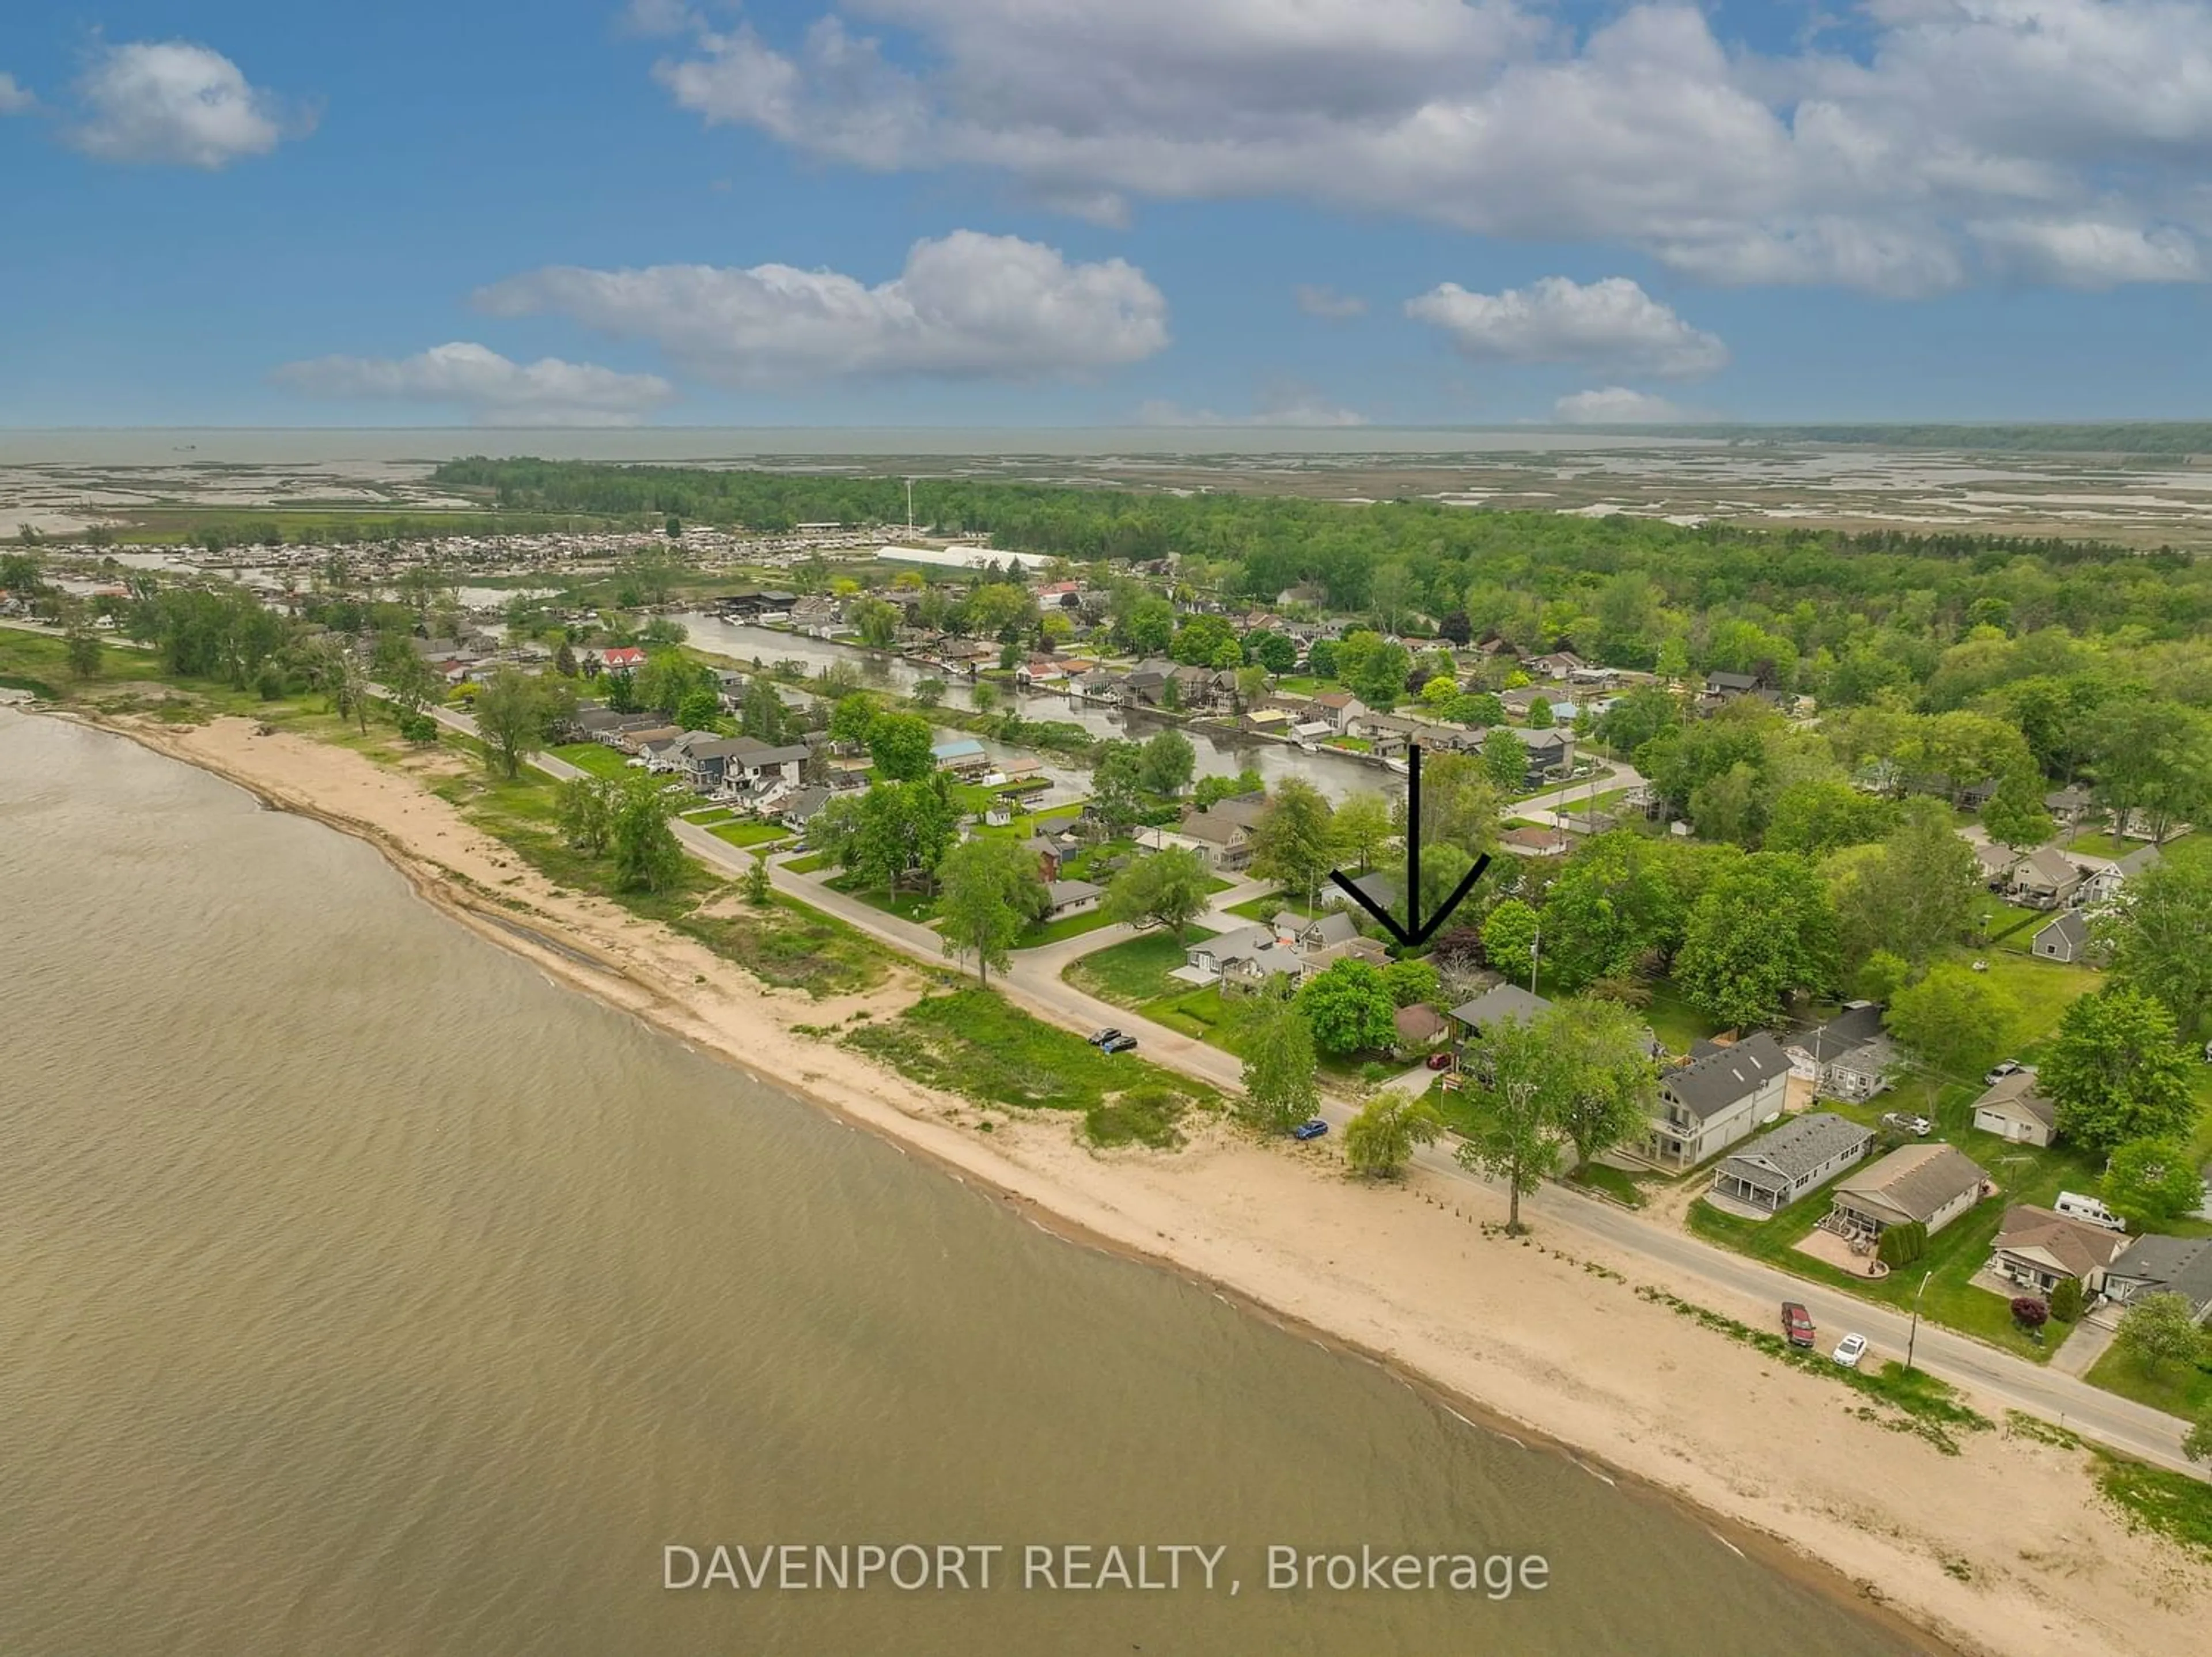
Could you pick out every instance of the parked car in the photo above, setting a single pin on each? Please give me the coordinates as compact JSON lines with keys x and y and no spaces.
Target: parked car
{"x":1796,"y":1324}
{"x":1103,"y":1036}
{"x":1440,"y":1061}
{"x":1312,"y":1128}
{"x":1905,"y":1122}
{"x":1850,"y":1350}
{"x":2010,"y":1066}
{"x":1117,"y":1044}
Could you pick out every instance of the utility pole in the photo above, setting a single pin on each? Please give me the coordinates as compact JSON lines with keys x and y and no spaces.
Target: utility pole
{"x":1913,"y":1340}
{"x":910,"y":508}
{"x":1535,"y":954}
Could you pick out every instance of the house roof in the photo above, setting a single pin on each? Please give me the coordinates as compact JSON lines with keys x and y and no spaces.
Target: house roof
{"x":1730,"y":682}
{"x":2138,"y":860}
{"x":959,"y":747}
{"x":1210,"y":826}
{"x":1326,"y":930}
{"x":2015,"y":1095}
{"x":2049,"y":864}
{"x":805,"y":803}
{"x":1915,"y":1181}
{"x":1419,"y":1022}
{"x":1847,"y":1032}
{"x":1063,"y":892}
{"x":2073,"y":1244}
{"x":2070,"y":926}
{"x":1800,"y":1146}
{"x":2182,"y":1265}
{"x":1501,"y":1001}
{"x":1706,"y":1086}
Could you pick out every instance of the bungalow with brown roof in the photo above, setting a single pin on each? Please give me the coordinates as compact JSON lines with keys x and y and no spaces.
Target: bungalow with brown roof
{"x":2016,"y":1109}
{"x":2037,"y":1248}
{"x":1929,"y":1185}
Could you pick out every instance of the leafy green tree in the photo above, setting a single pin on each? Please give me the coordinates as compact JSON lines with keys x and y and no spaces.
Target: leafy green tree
{"x":758,"y":891}
{"x":1276,"y":652}
{"x":1508,"y":938}
{"x":1517,"y":1071}
{"x":2015,"y":815}
{"x":899,"y":746}
{"x":585,"y":807}
{"x":514,"y":715}
{"x":2117,"y":1072}
{"x":1272,"y":1036}
{"x":1730,"y":807}
{"x":564,"y":659}
{"x":2150,"y":1183}
{"x":1321,"y":658}
{"x":1201,"y":639}
{"x":983,"y":697}
{"x":876,"y":621}
{"x":1350,"y":1007}
{"x":762,"y":715}
{"x":411,"y":682}
{"x":1820,"y":815}
{"x":1613,"y":907}
{"x":1412,"y":982}
{"x":81,"y":648}
{"x":1117,"y":784}
{"x":899,"y":831}
{"x":647,"y":857}
{"x":1212,"y":790}
{"x":2159,"y":935}
{"x":852,"y":719}
{"x":1380,"y":1139}
{"x":1361,"y":826}
{"x":2066,"y":1300}
{"x":2159,"y":1331}
{"x":1505,"y":757}
{"x":1608,"y":1082}
{"x":1294,"y":842}
{"x":1150,"y":628}
{"x":1956,"y":1022}
{"x":1459,"y":804}
{"x":1764,"y":931}
{"x":1374,"y":669}
{"x":1882,"y":976}
{"x":1915,"y":895}
{"x":1169,"y":888}
{"x":1540,"y":717}
{"x":991,"y":888}
{"x":1169,"y":760}
{"x":699,"y":710}
{"x":1902,"y":1244}
{"x":927,"y":693}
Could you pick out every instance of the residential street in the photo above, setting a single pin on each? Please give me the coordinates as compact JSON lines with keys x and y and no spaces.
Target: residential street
{"x":1727,"y":1283}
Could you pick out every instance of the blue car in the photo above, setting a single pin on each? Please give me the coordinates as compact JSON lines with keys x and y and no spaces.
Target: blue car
{"x":1312,"y":1129}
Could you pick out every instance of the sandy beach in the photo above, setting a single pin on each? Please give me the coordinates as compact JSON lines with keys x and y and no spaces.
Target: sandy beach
{"x":2006,"y":1548}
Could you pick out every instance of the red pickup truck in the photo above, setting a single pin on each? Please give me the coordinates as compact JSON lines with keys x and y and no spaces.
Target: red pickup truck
{"x":1796,"y":1324}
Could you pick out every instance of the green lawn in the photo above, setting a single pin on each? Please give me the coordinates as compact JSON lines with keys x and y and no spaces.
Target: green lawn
{"x":2179,"y":1389}
{"x":1053,"y":932}
{"x":594,"y":757}
{"x":1267,"y":907}
{"x":918,"y":907}
{"x":2012,"y":926}
{"x":973,"y":1043}
{"x":1131,"y":973}
{"x":1202,"y":1012}
{"x":752,"y":834}
{"x":709,"y":816}
{"x":810,"y":864}
{"x":2045,"y":989}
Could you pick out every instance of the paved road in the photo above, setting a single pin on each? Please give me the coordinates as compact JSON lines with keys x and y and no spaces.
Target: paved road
{"x":1685,"y":1265}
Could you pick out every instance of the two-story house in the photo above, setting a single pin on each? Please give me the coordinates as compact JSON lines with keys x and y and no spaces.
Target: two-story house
{"x":1717,"y":1099}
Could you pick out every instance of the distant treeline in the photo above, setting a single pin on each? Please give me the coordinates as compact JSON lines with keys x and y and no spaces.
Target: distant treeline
{"x":2170,"y":439}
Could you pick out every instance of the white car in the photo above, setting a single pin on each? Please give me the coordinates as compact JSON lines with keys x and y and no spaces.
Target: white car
{"x":1850,"y":1350}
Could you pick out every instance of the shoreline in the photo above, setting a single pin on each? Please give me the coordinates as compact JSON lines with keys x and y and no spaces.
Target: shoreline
{"x":1174,"y":1212}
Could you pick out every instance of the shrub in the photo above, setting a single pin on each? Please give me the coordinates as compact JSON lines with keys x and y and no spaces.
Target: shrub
{"x":2066,"y":1300}
{"x":2029,"y":1312}
{"x":1901,"y":1245}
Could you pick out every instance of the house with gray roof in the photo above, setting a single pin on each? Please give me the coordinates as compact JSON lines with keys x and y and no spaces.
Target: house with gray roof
{"x":1323,"y":932}
{"x":1849,"y":1056}
{"x":2037,"y":1248}
{"x":1929,"y":1184}
{"x":2102,"y":884}
{"x":1711,"y":1103}
{"x":1494,"y":1006}
{"x":1805,"y":1152}
{"x":2062,"y":938}
{"x":1064,"y":898}
{"x":2164,"y":1265}
{"x":2044,"y":879}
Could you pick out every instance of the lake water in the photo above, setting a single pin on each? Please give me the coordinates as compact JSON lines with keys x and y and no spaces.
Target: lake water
{"x":361,"y":1291}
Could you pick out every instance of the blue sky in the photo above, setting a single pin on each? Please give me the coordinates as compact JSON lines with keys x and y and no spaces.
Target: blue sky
{"x":993,"y":212}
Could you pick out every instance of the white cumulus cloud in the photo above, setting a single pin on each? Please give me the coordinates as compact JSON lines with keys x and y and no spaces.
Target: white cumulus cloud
{"x":1612,"y":323}
{"x":1616,"y":406}
{"x":491,"y":388}
{"x":172,"y":102}
{"x":2083,"y":253}
{"x":1327,"y":302}
{"x":1861,"y":158}
{"x":965,"y":305}
{"x":16,"y":97}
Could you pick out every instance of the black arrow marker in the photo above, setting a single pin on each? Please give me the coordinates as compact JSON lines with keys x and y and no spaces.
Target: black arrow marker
{"x":1415,"y":931}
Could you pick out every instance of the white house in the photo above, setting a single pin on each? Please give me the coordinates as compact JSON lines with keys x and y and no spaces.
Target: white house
{"x":1717,"y":1099}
